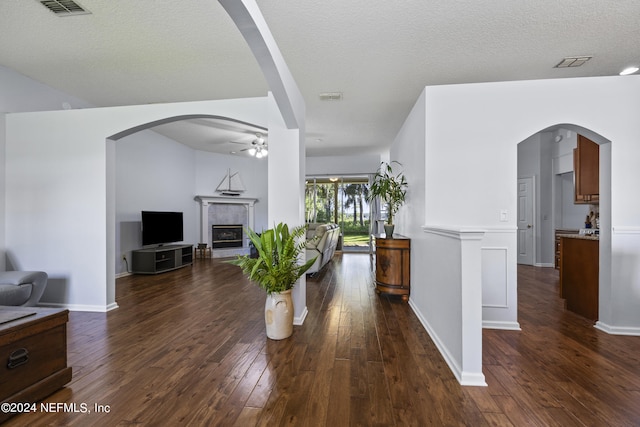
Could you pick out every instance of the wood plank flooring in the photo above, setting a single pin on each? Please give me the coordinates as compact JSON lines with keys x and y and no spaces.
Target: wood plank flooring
{"x":189,"y":348}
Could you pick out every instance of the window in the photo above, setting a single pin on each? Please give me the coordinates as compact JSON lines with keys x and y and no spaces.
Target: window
{"x":342,"y":200}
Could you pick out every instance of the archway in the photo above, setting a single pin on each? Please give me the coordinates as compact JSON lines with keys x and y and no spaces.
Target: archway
{"x":149,"y":171}
{"x":551,"y":150}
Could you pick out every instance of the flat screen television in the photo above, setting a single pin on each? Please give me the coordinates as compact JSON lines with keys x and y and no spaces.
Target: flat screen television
{"x":159,"y":228}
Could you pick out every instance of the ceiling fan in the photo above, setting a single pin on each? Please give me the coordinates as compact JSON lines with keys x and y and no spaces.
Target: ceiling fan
{"x":259,"y":147}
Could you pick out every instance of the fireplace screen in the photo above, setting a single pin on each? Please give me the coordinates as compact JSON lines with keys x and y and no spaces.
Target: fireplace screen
{"x":226,"y":236}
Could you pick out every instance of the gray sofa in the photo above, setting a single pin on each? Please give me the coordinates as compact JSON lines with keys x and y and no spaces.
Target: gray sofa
{"x":322,"y":240}
{"x":22,"y":288}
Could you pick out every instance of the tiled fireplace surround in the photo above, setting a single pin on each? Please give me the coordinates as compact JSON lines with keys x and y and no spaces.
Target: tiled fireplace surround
{"x":216,"y":210}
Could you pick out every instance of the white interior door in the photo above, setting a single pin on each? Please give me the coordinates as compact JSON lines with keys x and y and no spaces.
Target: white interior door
{"x":526,"y":241}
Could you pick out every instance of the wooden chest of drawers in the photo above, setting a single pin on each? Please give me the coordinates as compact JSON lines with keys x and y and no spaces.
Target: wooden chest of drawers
{"x":33,"y":354}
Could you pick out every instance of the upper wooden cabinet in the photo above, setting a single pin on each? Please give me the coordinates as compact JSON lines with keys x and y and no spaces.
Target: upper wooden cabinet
{"x":586,"y":170}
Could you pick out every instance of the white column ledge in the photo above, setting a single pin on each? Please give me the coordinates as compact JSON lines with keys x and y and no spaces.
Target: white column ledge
{"x":455,"y":232}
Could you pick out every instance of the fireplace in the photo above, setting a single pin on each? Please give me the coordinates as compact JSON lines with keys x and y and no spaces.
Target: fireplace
{"x":226,"y":236}
{"x":215,"y":210}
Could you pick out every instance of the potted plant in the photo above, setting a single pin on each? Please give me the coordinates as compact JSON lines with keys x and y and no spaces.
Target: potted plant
{"x":276,"y":270}
{"x":391,"y":189}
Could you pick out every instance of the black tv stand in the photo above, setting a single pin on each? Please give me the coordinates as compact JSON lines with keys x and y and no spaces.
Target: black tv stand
{"x":161,"y":259}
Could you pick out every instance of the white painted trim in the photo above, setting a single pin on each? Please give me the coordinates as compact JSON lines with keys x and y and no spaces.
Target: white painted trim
{"x":299,"y":320}
{"x":512,"y":230}
{"x":454,"y":231}
{"x":82,"y":307}
{"x":618,"y":330}
{"x":625,"y":230}
{"x":464,"y":378}
{"x":504,"y":250}
{"x":123,"y":274}
{"x":458,"y":233}
{"x":507,"y":326}
{"x":543,"y":264}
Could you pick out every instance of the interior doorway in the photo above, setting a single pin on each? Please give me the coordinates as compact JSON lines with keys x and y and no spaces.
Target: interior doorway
{"x":548,"y":157}
{"x":526,"y":220}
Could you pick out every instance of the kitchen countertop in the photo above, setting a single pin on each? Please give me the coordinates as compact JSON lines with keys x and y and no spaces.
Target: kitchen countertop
{"x":581,"y":236}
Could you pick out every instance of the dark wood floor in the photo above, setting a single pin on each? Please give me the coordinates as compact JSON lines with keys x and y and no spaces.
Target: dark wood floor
{"x":189,"y":348}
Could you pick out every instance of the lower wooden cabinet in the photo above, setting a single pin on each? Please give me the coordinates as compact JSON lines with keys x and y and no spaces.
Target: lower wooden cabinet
{"x":393,"y":268}
{"x":579,"y":271}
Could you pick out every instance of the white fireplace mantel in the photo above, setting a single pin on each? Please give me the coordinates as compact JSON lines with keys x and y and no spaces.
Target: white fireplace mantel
{"x":205,"y":201}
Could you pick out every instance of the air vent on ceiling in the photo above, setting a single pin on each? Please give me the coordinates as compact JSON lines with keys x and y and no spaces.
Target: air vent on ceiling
{"x":331,"y":96}
{"x":573,"y":61}
{"x":64,"y":7}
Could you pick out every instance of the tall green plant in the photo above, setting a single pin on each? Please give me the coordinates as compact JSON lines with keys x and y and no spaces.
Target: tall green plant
{"x":276,"y":268}
{"x":389,"y":187}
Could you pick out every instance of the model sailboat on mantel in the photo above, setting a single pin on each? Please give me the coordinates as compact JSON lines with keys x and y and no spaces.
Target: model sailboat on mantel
{"x":231,"y":185}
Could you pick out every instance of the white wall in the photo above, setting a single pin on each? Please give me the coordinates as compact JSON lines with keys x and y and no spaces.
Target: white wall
{"x":470,"y":171}
{"x":156,"y":173}
{"x":152,"y":173}
{"x":20,"y":93}
{"x":535,"y":160}
{"x":211,"y":168}
{"x":441,"y":288}
{"x":342,"y":165}
{"x":59,"y":182}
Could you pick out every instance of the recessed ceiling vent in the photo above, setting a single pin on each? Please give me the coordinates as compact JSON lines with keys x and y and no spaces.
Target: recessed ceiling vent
{"x":64,"y":7}
{"x":331,"y":96}
{"x":573,"y":61}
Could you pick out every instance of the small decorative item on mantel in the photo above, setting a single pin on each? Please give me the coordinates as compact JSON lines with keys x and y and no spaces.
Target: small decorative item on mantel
{"x":391,"y":189}
{"x":231,"y":185}
{"x":276,"y":270}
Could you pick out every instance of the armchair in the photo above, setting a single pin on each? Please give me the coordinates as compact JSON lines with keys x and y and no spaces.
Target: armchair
{"x":22,"y":288}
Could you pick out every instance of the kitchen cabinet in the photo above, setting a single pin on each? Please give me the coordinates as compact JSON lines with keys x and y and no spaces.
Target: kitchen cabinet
{"x":579,"y":270}
{"x":559,"y":243}
{"x":586,"y":171}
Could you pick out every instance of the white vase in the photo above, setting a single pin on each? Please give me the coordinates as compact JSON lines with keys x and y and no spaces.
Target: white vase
{"x":278,"y":315}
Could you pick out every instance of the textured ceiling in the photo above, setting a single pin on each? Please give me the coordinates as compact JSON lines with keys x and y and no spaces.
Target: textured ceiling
{"x":380,"y":54}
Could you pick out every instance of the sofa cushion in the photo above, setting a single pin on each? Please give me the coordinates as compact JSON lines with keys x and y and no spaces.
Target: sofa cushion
{"x":321,"y":229}
{"x":15,"y":294}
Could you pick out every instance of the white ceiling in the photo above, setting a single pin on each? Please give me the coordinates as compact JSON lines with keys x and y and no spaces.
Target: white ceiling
{"x":379,"y":53}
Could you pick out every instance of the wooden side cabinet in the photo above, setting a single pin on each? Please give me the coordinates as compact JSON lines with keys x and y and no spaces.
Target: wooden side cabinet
{"x":586,"y":171}
{"x":393,"y":266}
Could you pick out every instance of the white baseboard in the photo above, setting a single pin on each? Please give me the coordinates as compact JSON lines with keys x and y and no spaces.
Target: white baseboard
{"x":507,"y":326}
{"x":544,"y":264}
{"x":300,"y":319}
{"x":618,"y":330}
{"x":125,"y":274}
{"x":81,"y":307}
{"x":464,"y":378}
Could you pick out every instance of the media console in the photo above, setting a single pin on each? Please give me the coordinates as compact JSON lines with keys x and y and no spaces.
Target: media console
{"x":161,"y":259}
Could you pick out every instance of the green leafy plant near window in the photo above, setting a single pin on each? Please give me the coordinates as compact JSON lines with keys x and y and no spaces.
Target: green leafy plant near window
{"x":389,"y":187}
{"x":276,"y":269}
